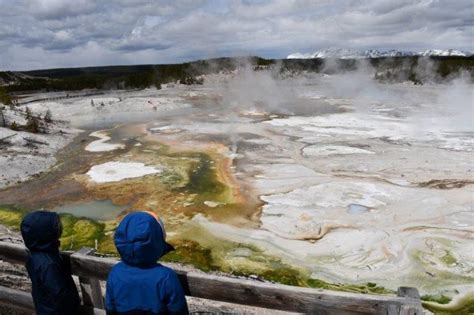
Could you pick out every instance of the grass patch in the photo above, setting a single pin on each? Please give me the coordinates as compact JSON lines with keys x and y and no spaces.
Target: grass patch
{"x":440,"y":299}
{"x":368,"y":288}
{"x":285,"y":275}
{"x":442,"y":305}
{"x":107,"y":245}
{"x":11,"y":216}
{"x":80,"y":232}
{"x":190,"y":252}
{"x":77,"y":232}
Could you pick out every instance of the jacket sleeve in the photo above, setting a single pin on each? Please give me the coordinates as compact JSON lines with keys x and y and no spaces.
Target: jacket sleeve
{"x":109,"y":299}
{"x":175,"y":300}
{"x":64,"y":297}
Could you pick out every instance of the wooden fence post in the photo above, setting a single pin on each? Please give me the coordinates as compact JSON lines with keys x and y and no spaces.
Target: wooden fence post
{"x":411,"y":293}
{"x":90,"y":287}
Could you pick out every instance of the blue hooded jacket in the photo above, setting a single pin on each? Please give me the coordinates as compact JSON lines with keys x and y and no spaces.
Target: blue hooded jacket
{"x":53,"y":289}
{"x":138,"y":284}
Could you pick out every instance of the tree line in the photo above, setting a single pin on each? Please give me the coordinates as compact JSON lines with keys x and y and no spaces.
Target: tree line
{"x":143,"y":76}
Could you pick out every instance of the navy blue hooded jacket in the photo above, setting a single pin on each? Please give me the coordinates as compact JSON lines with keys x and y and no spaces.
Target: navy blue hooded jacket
{"x":53,"y":289}
{"x":138,"y":284}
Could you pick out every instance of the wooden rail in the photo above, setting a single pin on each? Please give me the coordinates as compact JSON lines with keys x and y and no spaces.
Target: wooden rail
{"x":92,"y":269}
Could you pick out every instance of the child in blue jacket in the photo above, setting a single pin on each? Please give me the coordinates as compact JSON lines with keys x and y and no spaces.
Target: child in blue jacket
{"x":53,"y":289}
{"x":138,"y":284}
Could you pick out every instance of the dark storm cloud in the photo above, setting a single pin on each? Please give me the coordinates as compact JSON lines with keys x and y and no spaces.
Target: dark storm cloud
{"x":53,"y":33}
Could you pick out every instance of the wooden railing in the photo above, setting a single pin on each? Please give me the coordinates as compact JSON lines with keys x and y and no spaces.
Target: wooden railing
{"x":55,"y":97}
{"x":91,"y":269}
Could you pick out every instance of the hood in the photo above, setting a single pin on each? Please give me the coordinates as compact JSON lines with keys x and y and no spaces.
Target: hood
{"x":41,"y":231}
{"x":140,"y":239}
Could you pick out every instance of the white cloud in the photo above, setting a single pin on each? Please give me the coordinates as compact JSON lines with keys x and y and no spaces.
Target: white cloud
{"x":53,"y":33}
{"x":60,"y":9}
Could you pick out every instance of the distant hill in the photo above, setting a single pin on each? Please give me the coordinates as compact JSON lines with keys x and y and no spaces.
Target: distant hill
{"x":135,"y":76}
{"x":418,"y":69}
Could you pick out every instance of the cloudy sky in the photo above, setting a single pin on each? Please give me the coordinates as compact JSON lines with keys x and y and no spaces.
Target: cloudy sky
{"x":38,"y":34}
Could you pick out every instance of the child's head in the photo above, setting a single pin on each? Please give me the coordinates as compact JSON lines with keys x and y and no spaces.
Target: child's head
{"x":41,"y":231}
{"x":141,"y":239}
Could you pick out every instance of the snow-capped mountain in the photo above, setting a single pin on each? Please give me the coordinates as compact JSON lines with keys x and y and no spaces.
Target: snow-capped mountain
{"x":348,"y":53}
{"x":448,"y":52}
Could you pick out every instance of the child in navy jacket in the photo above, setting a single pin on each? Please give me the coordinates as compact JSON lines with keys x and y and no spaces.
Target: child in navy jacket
{"x":53,"y":289}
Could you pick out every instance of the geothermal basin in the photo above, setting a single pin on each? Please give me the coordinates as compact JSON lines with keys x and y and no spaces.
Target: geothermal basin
{"x":299,"y":182}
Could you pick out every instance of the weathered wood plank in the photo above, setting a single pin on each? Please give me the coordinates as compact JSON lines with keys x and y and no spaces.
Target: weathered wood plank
{"x":91,"y":266}
{"x":411,"y":293}
{"x":393,"y":310}
{"x":409,"y":310}
{"x":90,"y":287}
{"x":91,"y":293}
{"x":290,"y":298}
{"x":18,"y":254}
{"x":23,"y":301}
{"x":16,"y":299}
{"x":13,"y":253}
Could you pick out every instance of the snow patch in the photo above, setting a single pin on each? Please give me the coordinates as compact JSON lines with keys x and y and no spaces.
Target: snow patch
{"x":117,"y":171}
{"x":101,"y":145}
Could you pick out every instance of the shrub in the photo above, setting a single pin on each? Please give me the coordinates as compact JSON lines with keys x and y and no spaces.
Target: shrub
{"x":3,"y":121}
{"x":28,"y":113}
{"x":32,"y":124}
{"x":14,"y":126}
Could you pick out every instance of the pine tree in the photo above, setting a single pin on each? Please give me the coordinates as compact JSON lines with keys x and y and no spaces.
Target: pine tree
{"x":48,"y":117}
{"x":4,"y":97}
{"x":14,"y":126}
{"x":3,"y":122}
{"x":28,"y":113}
{"x":32,"y":124}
